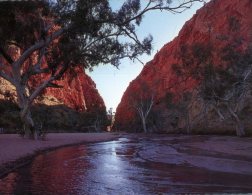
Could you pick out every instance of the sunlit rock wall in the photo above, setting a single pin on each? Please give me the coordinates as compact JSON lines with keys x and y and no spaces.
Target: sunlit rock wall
{"x":208,"y":24}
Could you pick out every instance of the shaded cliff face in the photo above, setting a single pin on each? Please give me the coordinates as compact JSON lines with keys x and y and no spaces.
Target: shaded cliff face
{"x":76,"y":105}
{"x":211,"y":23}
{"x":78,"y":92}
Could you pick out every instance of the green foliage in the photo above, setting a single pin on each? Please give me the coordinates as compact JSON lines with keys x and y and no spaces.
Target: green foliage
{"x":51,"y":118}
{"x":9,"y":113}
{"x":225,"y":85}
{"x":234,"y":24}
{"x":169,"y":99}
{"x":54,"y":35}
{"x":20,"y":22}
{"x":93,"y":33}
{"x":177,"y":109}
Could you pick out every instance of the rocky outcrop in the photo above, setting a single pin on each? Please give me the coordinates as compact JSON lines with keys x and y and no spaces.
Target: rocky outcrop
{"x":78,"y":89}
{"x":78,"y":92}
{"x":77,"y":97}
{"x":211,"y":23}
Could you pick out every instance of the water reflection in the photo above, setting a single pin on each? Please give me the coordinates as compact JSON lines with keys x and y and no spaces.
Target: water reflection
{"x":112,"y":170}
{"x":126,"y":166}
{"x":57,"y":171}
{"x":8,"y":184}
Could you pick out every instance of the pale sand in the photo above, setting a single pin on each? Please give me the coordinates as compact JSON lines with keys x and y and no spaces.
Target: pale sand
{"x":13,"y":147}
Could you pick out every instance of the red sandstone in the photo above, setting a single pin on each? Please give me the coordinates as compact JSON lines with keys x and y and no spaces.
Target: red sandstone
{"x":158,"y":74}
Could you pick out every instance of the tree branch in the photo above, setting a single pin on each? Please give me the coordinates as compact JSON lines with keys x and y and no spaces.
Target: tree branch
{"x":134,"y":37}
{"x":116,"y":34}
{"x":219,"y":113}
{"x":35,"y":69}
{"x":40,"y":89}
{"x":36,"y":46}
{"x":181,"y":7}
{"x":149,"y":107}
{"x":6,"y":56}
{"x":7,"y":77}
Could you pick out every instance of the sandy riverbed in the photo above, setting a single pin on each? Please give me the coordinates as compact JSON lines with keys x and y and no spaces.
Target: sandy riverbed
{"x":13,"y":147}
{"x":221,"y":153}
{"x":140,"y":164}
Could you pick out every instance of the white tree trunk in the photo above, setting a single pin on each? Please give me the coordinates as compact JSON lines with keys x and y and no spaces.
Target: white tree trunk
{"x":144,"y":125}
{"x":144,"y":111}
{"x":28,"y":123}
{"x":239,"y":124}
{"x":25,"y":113}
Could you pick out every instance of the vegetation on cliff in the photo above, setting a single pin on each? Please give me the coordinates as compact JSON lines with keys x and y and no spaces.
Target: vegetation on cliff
{"x":49,"y":37}
{"x":201,"y":79}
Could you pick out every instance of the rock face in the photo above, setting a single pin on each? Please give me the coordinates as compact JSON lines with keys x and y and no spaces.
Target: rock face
{"x":79,"y":92}
{"x":64,"y":105}
{"x":210,"y":23}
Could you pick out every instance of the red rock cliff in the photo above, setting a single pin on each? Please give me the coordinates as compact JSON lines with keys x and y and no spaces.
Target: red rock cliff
{"x":79,"y":92}
{"x":158,"y":75}
{"x":74,"y":106}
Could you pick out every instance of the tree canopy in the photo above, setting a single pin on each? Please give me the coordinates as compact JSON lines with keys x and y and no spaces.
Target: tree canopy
{"x":223,"y":74}
{"x":51,"y":36}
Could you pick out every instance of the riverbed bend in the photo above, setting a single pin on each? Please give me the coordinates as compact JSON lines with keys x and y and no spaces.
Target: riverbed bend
{"x":136,"y":164}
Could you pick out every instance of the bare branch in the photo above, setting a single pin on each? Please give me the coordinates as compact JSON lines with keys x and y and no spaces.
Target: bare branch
{"x":40,"y":59}
{"x":40,"y":89}
{"x":247,"y":73}
{"x":116,"y":34}
{"x":132,"y":36}
{"x":219,"y":113}
{"x":35,"y":69}
{"x":140,"y":61}
{"x":150,"y":106}
{"x":38,"y":45}
{"x":178,"y":9}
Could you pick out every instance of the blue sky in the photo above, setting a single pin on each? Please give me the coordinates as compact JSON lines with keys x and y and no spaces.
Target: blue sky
{"x":163,"y":26}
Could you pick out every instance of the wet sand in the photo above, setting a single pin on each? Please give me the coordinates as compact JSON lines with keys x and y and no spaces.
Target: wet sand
{"x":16,"y":151}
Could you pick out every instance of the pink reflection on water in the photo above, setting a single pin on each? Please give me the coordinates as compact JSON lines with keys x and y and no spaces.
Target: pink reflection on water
{"x":49,"y":173}
{"x":8,"y":184}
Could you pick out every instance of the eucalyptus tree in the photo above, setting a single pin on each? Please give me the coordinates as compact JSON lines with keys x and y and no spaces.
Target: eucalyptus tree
{"x":224,"y":83}
{"x":143,"y":106}
{"x":52,"y":36}
{"x":141,"y":103}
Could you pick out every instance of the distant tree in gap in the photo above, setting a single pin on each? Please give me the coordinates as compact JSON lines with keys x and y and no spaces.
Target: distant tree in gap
{"x":110,"y":116}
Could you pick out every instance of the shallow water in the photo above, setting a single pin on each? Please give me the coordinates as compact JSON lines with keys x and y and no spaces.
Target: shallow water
{"x":126,"y":166}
